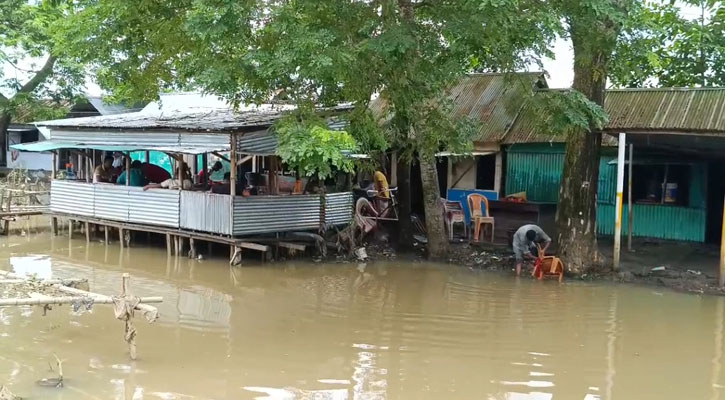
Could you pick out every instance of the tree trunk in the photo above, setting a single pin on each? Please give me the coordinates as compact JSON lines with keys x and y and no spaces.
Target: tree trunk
{"x":437,"y":239}
{"x":576,"y":218}
{"x":405,"y":228}
{"x":4,"y":125}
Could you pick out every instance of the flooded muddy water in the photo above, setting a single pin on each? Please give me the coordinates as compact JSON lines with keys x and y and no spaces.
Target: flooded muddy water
{"x":312,"y":331}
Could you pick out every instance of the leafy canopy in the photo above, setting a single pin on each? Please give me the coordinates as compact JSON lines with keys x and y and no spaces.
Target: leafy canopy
{"x":32,"y":71}
{"x":663,"y":47}
{"x":308,"y":146}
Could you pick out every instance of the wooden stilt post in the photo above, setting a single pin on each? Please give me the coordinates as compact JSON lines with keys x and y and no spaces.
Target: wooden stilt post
{"x":70,"y":229}
{"x":121,"y":237}
{"x":6,"y":228}
{"x":168,"y":244}
{"x":106,"y":233}
{"x":630,"y":209}
{"x":177,"y":246}
{"x":192,"y":248}
{"x":618,"y":210}
{"x":54,"y":225}
{"x":88,"y":232}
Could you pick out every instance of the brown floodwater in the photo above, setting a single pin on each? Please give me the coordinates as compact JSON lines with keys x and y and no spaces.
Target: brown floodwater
{"x":396,"y":330}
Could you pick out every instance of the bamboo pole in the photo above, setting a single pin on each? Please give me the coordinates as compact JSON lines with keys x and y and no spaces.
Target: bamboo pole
{"x":54,"y":168}
{"x":64,"y":300}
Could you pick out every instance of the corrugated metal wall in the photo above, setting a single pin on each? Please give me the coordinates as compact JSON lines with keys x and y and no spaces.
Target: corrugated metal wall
{"x":111,"y":202}
{"x":338,"y":208}
{"x":537,"y":174}
{"x":266,"y":214}
{"x":537,"y":169}
{"x":71,"y":198}
{"x":656,"y":221}
{"x":206,"y":212}
{"x":199,"y":211}
{"x":154,"y":207}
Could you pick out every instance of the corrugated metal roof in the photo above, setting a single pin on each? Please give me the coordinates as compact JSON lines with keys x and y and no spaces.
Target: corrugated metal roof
{"x":686,"y":110}
{"x":668,"y":110}
{"x":213,"y":120}
{"x":491,"y":99}
{"x":257,"y":143}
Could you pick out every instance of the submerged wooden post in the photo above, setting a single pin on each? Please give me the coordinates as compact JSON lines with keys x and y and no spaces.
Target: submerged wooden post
{"x":630,"y":209}
{"x":618,"y":209}
{"x":88,"y":232}
{"x":70,"y":229}
{"x":120,"y":237}
{"x":168,"y":244}
{"x":7,"y":221}
{"x":106,"y":233}
{"x":54,"y":225}
{"x":192,"y":248}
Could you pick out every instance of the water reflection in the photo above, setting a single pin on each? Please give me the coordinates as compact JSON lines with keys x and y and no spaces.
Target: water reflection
{"x":300,"y":331}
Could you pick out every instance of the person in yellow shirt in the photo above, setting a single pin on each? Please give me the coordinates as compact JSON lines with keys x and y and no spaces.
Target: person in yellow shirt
{"x":381,"y":184}
{"x":382,"y":199}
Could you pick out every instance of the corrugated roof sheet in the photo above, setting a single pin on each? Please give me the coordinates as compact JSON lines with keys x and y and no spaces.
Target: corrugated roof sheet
{"x":672,"y":110}
{"x":491,"y":99}
{"x":216,"y":120}
{"x":257,"y":143}
{"x":686,"y":110}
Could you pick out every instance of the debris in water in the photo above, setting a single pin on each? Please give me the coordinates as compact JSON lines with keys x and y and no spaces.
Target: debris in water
{"x":6,"y":394}
{"x":691,"y":271}
{"x":656,"y":269}
{"x":361,"y":254}
{"x":53,"y":382}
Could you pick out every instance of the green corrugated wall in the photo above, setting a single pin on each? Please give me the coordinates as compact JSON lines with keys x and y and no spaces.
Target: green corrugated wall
{"x":656,"y":221}
{"x":536,"y":169}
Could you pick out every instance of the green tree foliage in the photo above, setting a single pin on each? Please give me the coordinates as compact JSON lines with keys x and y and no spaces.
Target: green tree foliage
{"x":32,"y":71}
{"x":308,"y":146}
{"x":661,"y":46}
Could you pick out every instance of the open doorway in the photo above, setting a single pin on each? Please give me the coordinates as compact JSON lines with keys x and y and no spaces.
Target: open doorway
{"x":486,"y":172}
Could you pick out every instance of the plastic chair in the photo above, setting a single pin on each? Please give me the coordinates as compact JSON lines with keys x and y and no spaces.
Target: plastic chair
{"x":548,"y":266}
{"x":478,"y":207}
{"x":453,"y":214}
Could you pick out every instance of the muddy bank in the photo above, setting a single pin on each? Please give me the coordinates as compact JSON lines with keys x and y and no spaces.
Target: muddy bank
{"x":486,"y":258}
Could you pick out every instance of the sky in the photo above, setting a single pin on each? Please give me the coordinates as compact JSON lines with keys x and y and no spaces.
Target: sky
{"x":560,"y":69}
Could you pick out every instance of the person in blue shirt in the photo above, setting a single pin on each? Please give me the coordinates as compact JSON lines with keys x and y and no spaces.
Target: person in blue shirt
{"x":137,"y":178}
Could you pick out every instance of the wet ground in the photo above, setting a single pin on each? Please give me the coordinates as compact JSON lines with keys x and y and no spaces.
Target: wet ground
{"x":346,"y":331}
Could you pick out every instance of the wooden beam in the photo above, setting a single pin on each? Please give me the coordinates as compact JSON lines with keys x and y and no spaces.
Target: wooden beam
{"x":293,"y":246}
{"x":253,"y":246}
{"x":222,"y":156}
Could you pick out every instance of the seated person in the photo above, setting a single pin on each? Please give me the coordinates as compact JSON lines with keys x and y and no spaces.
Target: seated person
{"x":382,"y":199}
{"x":224,"y":187}
{"x":217,"y":172}
{"x":184,"y":182}
{"x":137,"y":178}
{"x":104,"y":172}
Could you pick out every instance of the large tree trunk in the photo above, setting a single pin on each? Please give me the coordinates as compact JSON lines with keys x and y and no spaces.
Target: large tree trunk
{"x":434,"y":224}
{"x":405,"y":228}
{"x":576,"y":217}
{"x":4,"y":124}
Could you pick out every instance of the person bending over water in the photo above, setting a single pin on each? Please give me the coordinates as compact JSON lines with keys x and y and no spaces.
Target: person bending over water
{"x":524,"y":244}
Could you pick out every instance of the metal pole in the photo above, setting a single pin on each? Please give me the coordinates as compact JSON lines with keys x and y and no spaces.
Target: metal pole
{"x":630,"y":210}
{"x":618,"y":210}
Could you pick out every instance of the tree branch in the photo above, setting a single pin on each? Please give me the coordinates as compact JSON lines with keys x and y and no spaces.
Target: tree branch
{"x":40,"y":76}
